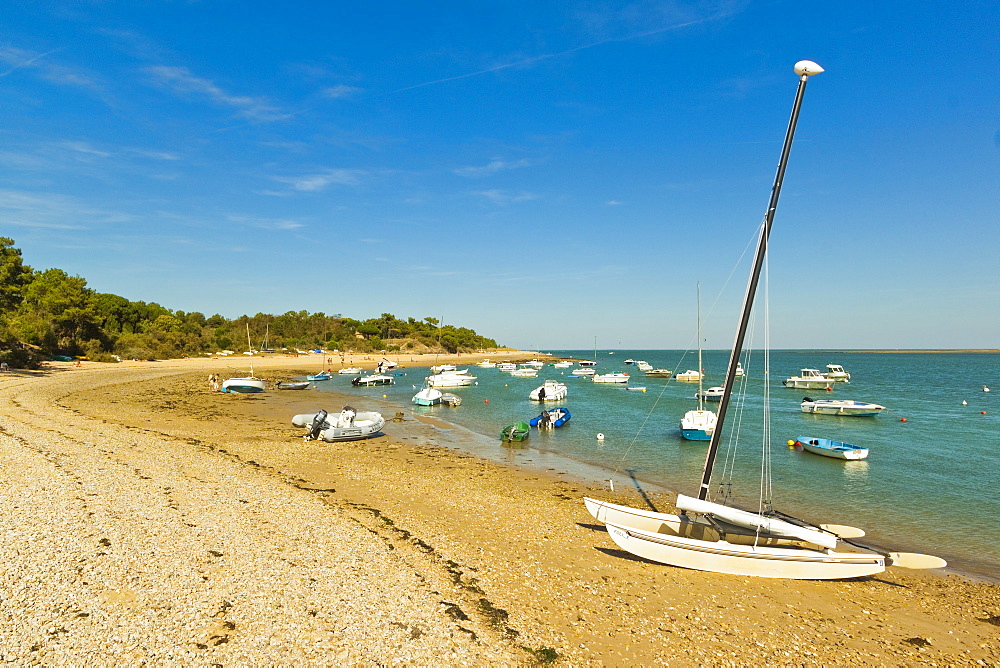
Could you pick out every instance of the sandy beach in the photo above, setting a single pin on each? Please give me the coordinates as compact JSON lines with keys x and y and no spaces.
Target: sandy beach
{"x":149,"y":520}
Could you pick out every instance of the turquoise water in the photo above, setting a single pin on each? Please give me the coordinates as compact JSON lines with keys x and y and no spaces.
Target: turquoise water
{"x":929,"y":483}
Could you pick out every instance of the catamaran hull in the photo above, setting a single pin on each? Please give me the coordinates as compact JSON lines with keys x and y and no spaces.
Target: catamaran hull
{"x":723,"y":557}
{"x":689,"y":543}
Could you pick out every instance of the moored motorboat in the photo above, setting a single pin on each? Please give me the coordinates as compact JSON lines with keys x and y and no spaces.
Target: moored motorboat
{"x":617,"y":378}
{"x":689,"y":376}
{"x":487,"y":364}
{"x":506,"y":366}
{"x":808,"y":379}
{"x":525,"y":372}
{"x":582,"y":371}
{"x":830,"y":448}
{"x":451,"y":379}
{"x":836,"y":373}
{"x":349,"y":370}
{"x":322,"y":375}
{"x":550,"y":390}
{"x":554,"y":417}
{"x":711,"y":394}
{"x":840,"y":407}
{"x":373,"y":379}
{"x":659,"y":373}
{"x":349,"y":425}
{"x":564,"y":364}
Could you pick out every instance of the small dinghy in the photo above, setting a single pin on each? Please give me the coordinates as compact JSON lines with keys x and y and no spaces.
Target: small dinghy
{"x":555,"y":417}
{"x":515,"y":433}
{"x":449,"y":399}
{"x":840,"y":407}
{"x":831,"y":448}
{"x":348,"y":425}
{"x":300,"y":385}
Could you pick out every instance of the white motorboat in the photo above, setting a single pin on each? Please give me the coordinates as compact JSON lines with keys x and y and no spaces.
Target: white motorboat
{"x":525,"y":372}
{"x":441,"y":368}
{"x":840,"y":407}
{"x":350,"y":370}
{"x":642,"y":365}
{"x":659,"y":373}
{"x":506,"y":366}
{"x":739,"y":370}
{"x":428,"y":396}
{"x":582,"y":371}
{"x":349,"y":425}
{"x":538,"y":364}
{"x":808,"y":379}
{"x":486,"y":364}
{"x":836,"y":373}
{"x":718,"y":538}
{"x":564,"y":364}
{"x":587,"y":363}
{"x":616,"y":378}
{"x":550,"y":390}
{"x":373,"y":379}
{"x":689,"y":376}
{"x":711,"y":394}
{"x":457,"y":378}
{"x":449,"y":399}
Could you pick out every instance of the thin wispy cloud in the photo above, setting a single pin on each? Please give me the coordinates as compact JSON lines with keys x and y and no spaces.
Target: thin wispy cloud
{"x":51,"y":211}
{"x":502,"y":197}
{"x":524,"y":62}
{"x":62,"y":75}
{"x":491,"y":168}
{"x":342,"y":91}
{"x":182,"y":81}
{"x":321,"y":180}
{"x":266,"y":223}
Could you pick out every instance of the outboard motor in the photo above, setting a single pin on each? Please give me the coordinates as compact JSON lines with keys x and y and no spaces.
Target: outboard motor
{"x":318,"y":423}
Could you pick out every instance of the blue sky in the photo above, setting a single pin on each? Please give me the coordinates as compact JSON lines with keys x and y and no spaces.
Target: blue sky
{"x":544,"y":173}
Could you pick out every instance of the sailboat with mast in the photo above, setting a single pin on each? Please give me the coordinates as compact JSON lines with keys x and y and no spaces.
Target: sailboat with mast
{"x":699,"y":424}
{"x":247,"y":384}
{"x":715,"y":537}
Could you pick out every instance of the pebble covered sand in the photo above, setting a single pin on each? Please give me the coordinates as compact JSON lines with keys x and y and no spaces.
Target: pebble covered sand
{"x":147,"y":520}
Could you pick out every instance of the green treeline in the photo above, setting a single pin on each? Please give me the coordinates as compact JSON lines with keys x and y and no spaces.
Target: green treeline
{"x":46,"y":313}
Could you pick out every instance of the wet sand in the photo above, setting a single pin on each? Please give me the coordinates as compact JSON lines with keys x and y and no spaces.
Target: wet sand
{"x":159,"y":521}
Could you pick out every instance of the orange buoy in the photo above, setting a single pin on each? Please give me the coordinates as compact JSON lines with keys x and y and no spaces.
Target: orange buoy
{"x":486,"y":401}
{"x":982,"y":412}
{"x":902,"y":419}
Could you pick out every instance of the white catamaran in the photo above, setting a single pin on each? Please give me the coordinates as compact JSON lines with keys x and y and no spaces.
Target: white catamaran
{"x":714,"y":537}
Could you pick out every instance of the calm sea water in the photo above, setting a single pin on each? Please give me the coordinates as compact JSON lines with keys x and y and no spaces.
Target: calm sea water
{"x":929,"y":483}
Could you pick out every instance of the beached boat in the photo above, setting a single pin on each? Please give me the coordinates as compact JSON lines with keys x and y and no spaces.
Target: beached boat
{"x":525,"y":372}
{"x":808,"y":379}
{"x":840,"y":407}
{"x":373,"y":379}
{"x":350,"y":370}
{"x":715,"y":537}
{"x":515,"y":433}
{"x":616,"y":378}
{"x":711,"y":394}
{"x":831,"y":448}
{"x":689,"y":376}
{"x":428,"y":396}
{"x":836,"y":373}
{"x":554,"y":417}
{"x":349,"y":425}
{"x":247,"y":384}
{"x":322,"y":375}
{"x":451,"y":379}
{"x":297,"y":385}
{"x":698,"y":424}
{"x":659,"y":373}
{"x":449,"y":399}
{"x":550,"y":390}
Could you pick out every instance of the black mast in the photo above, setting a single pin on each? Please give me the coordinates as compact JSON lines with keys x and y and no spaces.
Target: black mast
{"x":804,"y":69}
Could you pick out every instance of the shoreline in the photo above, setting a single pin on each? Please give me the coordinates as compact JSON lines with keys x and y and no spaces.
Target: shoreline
{"x":496,"y":564}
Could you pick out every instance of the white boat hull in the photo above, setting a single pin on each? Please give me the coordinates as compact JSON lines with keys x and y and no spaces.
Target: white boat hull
{"x":244,"y":385}
{"x":688,"y":543}
{"x":554,"y":391}
{"x":841,"y":407}
{"x":611,"y":378}
{"x":365,"y":425}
